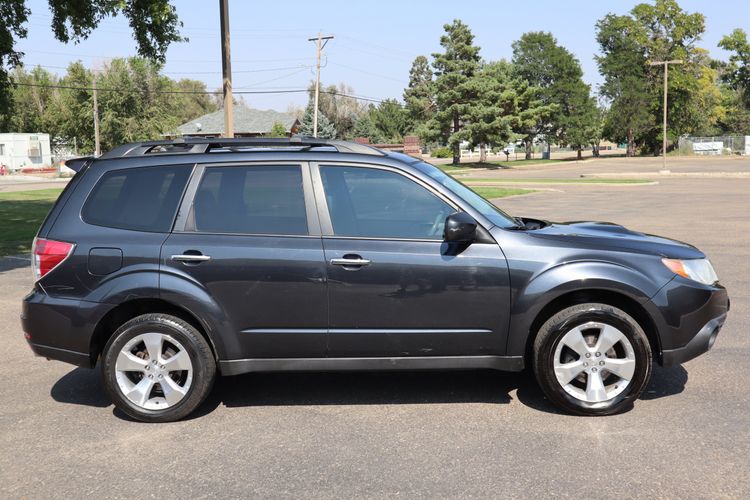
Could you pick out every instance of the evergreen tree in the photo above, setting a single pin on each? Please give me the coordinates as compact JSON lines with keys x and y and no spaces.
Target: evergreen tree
{"x":419,"y":95}
{"x":454,"y":69}
{"x":326,"y":129}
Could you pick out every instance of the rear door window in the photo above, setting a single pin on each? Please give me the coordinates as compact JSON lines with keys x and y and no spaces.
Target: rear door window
{"x":139,"y":199}
{"x":262,"y":199}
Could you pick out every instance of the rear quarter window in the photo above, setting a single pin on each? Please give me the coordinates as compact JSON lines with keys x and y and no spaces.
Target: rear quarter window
{"x":138,"y":199}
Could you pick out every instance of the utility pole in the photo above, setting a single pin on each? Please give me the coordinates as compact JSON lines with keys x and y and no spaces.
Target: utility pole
{"x":664,"y":126}
{"x":320,"y":43}
{"x":97,"y":146}
{"x":226,"y":69}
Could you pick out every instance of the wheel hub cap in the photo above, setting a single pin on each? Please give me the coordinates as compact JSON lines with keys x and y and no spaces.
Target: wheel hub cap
{"x":594,"y":362}
{"x":154,"y":371}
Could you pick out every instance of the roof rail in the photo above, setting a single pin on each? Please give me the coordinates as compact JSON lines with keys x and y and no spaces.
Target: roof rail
{"x":187,"y":145}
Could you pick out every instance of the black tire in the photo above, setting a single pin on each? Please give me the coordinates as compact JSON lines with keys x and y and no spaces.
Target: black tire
{"x":552,"y":332}
{"x":200,"y":354}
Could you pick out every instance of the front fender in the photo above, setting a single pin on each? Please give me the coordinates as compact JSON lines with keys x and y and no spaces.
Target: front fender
{"x":541,"y":289}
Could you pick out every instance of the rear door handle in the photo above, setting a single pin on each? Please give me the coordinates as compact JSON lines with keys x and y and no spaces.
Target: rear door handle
{"x":353,"y":262}
{"x":191,"y":258}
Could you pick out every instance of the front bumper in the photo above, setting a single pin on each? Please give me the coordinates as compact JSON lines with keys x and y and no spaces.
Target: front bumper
{"x":688,"y":317}
{"x":702,"y":342}
{"x":61,"y":328}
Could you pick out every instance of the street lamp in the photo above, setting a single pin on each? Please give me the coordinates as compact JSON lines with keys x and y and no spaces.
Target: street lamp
{"x":664,"y":130}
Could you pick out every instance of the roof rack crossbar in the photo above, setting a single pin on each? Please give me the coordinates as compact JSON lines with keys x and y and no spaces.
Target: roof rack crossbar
{"x":197,"y":145}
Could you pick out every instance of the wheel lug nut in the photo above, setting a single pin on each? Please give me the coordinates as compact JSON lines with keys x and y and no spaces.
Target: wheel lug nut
{"x":601,"y":363}
{"x":585,"y":364}
{"x":598,"y":354}
{"x":160,"y":375}
{"x":593,"y":369}
{"x":588,"y":354}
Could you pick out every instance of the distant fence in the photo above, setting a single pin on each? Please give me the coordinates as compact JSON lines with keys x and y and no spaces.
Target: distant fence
{"x":718,"y":145}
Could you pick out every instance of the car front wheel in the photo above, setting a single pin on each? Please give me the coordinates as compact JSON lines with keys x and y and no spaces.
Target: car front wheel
{"x":592,"y":359}
{"x":157,"y":368}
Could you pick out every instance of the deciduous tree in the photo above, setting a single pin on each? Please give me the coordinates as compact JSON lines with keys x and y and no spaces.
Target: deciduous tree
{"x":154,"y":24}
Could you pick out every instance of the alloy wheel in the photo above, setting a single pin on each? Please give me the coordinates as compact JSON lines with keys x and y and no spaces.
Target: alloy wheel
{"x":594,"y":362}
{"x":154,"y":371}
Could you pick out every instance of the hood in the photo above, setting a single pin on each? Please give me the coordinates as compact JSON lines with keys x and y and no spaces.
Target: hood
{"x":605,"y":235}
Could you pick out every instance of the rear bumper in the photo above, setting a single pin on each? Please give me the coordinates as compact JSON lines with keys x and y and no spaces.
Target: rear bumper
{"x":688,"y":317}
{"x":59,"y":328}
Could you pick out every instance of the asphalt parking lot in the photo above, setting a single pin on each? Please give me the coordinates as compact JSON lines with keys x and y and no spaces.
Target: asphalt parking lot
{"x":442,"y":434}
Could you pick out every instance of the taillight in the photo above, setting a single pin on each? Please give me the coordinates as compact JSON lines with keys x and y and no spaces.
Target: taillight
{"x":48,"y":254}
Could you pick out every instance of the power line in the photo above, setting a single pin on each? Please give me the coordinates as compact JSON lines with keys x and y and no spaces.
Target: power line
{"x":262,"y":70}
{"x":205,"y":92}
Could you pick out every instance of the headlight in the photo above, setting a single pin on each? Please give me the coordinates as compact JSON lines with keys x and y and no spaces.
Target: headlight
{"x":699,"y":270}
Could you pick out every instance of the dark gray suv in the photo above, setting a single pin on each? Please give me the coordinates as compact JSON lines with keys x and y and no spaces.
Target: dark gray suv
{"x":169,"y":262}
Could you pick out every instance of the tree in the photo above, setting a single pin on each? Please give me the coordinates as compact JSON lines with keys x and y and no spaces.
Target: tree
{"x":658,"y":32}
{"x":277,"y":130}
{"x":419,"y":95}
{"x":454,"y":69}
{"x":391,"y":119}
{"x":194,"y":102}
{"x":136,"y":102}
{"x":326,"y":129}
{"x":341,"y":109}
{"x":154,"y":24}
{"x":489,"y":118}
{"x":736,"y":74}
{"x":540,"y":60}
{"x":365,"y":128}
{"x":626,"y":84}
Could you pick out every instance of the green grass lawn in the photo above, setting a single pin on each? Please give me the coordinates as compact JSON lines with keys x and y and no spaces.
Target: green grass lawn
{"x":21,"y":214}
{"x":497,"y":192}
{"x":557,"y":181}
{"x":495,"y":164}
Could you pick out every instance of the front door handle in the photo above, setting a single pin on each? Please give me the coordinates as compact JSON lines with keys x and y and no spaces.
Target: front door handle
{"x":351,"y":261}
{"x":191,"y":258}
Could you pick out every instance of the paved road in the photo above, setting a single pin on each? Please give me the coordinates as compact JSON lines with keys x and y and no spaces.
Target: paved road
{"x":409,"y":434}
{"x":25,"y":183}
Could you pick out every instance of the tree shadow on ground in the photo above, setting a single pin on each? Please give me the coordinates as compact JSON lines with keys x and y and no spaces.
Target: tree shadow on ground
{"x":84,"y":387}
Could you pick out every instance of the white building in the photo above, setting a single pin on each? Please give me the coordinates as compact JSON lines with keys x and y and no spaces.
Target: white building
{"x":25,"y":150}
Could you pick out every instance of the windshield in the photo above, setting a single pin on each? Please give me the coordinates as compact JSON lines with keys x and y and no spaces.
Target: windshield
{"x":494,"y":214}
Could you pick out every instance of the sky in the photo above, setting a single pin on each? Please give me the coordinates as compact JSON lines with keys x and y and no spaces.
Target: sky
{"x":374,"y":45}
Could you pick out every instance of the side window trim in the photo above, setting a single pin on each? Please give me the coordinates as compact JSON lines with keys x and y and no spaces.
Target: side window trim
{"x":186,"y":216}
{"x":326,"y":224}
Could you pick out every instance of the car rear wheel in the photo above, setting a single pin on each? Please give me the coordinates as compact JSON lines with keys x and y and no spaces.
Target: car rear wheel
{"x":158,"y":368}
{"x":592,"y":359}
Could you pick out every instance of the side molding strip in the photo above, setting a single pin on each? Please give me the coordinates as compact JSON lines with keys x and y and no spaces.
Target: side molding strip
{"x":503,"y":363}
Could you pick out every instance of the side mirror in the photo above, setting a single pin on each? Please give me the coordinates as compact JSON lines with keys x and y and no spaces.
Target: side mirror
{"x":460,"y":227}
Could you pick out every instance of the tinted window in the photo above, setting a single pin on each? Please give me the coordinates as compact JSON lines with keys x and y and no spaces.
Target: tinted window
{"x":377,"y":203}
{"x":251,"y":200}
{"x":484,"y":207}
{"x":141,"y":199}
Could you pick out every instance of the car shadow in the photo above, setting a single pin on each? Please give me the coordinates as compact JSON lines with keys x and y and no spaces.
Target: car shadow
{"x":84,"y":387}
{"x":665,"y":382}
